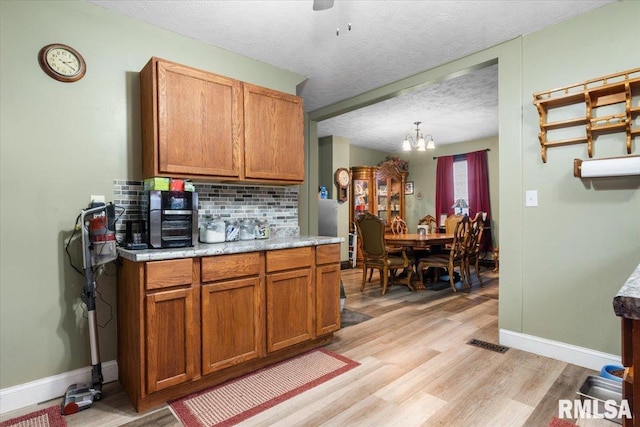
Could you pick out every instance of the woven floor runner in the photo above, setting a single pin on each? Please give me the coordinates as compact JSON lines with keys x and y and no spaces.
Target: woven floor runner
{"x":229,"y":403}
{"x":49,"y":417}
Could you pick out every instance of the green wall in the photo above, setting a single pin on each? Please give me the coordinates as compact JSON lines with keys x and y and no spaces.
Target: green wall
{"x":359,"y":156}
{"x":583,"y":240}
{"x":61,"y":143}
{"x":561,"y":263}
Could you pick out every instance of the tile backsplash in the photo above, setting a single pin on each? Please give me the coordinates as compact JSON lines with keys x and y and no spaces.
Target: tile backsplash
{"x":277,"y":205}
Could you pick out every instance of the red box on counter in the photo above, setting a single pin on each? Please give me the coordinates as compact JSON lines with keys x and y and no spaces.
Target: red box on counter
{"x":176,"y":184}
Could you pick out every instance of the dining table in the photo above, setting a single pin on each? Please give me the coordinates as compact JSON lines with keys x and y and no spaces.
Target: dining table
{"x":416,"y":242}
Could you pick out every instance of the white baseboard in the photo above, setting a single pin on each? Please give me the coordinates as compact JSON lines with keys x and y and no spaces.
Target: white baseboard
{"x":31,"y":393}
{"x":569,"y":353}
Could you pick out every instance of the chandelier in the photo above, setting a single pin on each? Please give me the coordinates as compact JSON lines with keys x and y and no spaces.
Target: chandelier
{"x":419,"y":142}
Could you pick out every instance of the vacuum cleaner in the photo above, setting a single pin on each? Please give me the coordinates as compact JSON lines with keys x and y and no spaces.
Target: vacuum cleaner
{"x":97,"y":226}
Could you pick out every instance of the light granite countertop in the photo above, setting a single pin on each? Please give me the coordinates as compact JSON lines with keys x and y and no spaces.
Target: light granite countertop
{"x":241,"y":246}
{"x":626,"y":303}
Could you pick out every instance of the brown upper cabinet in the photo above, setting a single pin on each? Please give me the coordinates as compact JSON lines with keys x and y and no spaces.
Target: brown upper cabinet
{"x":273,"y":135}
{"x":203,"y":126}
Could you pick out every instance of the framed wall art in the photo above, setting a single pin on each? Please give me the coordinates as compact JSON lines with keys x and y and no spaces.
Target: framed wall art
{"x":408,"y":188}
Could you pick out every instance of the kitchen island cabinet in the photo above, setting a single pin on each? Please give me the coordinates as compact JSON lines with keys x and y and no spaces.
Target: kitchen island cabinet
{"x":203,"y":126}
{"x":190,"y":318}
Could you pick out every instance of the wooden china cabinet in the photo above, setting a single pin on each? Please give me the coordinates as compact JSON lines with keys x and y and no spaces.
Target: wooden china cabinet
{"x":363,"y":192}
{"x":390,"y":192}
{"x":379,"y":190}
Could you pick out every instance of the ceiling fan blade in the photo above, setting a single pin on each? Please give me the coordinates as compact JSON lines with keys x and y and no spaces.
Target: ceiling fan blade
{"x":322,"y":4}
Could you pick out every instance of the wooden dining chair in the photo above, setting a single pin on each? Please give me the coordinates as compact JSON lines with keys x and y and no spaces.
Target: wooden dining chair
{"x":450,"y":223}
{"x":377,"y":255}
{"x":398,"y":225}
{"x":455,"y":257}
{"x":476,"y":229}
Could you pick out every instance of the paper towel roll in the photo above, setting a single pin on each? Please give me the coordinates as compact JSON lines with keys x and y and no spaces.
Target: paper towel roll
{"x":616,"y":166}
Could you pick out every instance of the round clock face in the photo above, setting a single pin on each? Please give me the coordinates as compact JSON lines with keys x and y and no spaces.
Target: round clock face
{"x":343,"y":177}
{"x":62,"y":63}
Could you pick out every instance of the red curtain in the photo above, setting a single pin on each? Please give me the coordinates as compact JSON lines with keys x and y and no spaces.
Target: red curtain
{"x":478,"y":175}
{"x":444,"y":187}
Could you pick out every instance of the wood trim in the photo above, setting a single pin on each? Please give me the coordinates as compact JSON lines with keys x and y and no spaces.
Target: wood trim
{"x":149,"y":114}
{"x":131,"y":346}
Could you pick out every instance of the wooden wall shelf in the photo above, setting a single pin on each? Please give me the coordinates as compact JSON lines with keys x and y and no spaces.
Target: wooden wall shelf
{"x":621,"y":88}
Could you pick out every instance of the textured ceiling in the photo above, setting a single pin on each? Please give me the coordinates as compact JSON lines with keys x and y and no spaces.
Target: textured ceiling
{"x":389,"y":40}
{"x":457,"y":110}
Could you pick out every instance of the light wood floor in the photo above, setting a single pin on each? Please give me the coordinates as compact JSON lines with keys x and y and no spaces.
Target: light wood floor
{"x":416,"y":370}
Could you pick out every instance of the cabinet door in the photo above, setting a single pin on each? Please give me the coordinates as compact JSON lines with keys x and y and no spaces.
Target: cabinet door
{"x":273,"y":135}
{"x":327,"y":298}
{"x":199,"y":122}
{"x":289,"y":308}
{"x":172,"y":342}
{"x":383,"y":195}
{"x":395,"y":198}
{"x":232,"y":323}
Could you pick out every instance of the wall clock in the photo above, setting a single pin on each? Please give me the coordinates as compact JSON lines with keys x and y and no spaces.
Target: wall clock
{"x":342,"y":178}
{"x":62,"y":63}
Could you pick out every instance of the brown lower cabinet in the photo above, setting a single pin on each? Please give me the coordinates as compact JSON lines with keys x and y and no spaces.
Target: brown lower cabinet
{"x":187,"y":324}
{"x":289,"y":297}
{"x":631,"y":362}
{"x":171,"y":338}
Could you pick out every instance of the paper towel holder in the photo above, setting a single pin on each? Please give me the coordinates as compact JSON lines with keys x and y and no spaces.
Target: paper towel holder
{"x":610,"y":166}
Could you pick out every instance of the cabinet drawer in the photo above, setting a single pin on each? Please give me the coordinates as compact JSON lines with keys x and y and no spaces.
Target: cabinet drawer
{"x":230,"y":266}
{"x":162,"y":274}
{"x":287,"y":259}
{"x":328,"y":254}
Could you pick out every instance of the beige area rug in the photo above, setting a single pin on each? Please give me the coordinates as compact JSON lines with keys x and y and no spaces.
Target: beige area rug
{"x":48,"y":417}
{"x":236,"y":400}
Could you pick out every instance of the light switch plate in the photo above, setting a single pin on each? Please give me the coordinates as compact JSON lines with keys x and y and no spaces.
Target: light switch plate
{"x":531,"y":198}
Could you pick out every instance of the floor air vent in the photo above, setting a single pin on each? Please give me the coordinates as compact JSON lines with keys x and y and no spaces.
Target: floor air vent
{"x":488,"y":346}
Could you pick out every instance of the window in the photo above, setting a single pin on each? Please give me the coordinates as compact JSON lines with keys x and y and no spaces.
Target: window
{"x":461,"y":180}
